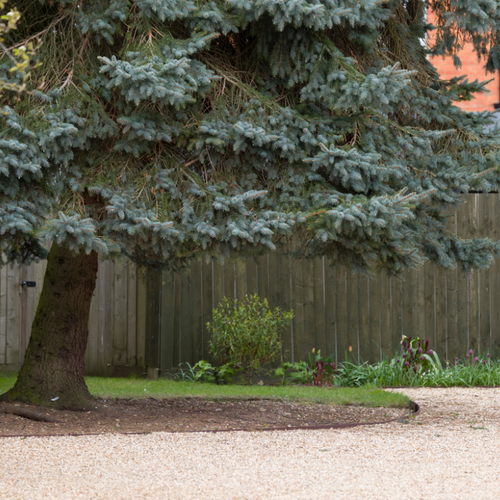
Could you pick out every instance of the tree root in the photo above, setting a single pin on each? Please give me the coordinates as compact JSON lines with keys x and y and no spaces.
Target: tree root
{"x":26,"y":413}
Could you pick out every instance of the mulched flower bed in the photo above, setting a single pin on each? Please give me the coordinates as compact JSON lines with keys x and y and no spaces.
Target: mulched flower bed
{"x":187,"y":414}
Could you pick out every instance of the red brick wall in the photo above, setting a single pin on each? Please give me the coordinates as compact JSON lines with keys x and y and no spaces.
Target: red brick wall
{"x":474,"y":70}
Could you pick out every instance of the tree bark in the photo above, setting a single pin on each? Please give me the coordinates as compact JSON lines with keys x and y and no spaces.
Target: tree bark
{"x":53,"y":370}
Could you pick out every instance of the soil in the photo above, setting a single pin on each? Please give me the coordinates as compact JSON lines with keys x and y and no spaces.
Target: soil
{"x":188,"y":414}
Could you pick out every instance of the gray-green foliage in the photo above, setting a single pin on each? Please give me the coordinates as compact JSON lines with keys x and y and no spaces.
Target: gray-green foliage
{"x":173,"y":128}
{"x":246,"y":334}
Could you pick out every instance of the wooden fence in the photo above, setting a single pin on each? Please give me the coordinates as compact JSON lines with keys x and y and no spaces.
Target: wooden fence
{"x":117,"y":317}
{"x":162,"y":322}
{"x":334,"y":309}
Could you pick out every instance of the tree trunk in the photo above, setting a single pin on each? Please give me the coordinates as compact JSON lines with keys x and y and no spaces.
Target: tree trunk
{"x":55,"y":359}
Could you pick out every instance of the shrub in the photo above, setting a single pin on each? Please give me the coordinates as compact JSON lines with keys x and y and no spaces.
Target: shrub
{"x":246,"y":333}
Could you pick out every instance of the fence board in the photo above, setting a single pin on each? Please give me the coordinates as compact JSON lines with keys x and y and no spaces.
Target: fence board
{"x":92,"y":352}
{"x":281,"y":290}
{"x":318,"y":304}
{"x":462,"y":286}
{"x":120,"y":315}
{"x":484,"y":280}
{"x":207,"y":304}
{"x":429,"y":331}
{"x":363,"y":319}
{"x":196,"y":312}
{"x":352,"y":313}
{"x":3,"y":314}
{"x":330,"y":311}
{"x":141,"y":318}
{"x":308,"y":339}
{"x":440,"y":334}
{"x":374,"y":318}
{"x":397,"y":326}
{"x":186,"y":316}
{"x":493,"y":203}
{"x":131,"y":315}
{"x":14,"y":332}
{"x":342,"y":326}
{"x":473,"y":279}
{"x":167,"y":299}
{"x":297,"y":306}
{"x":177,"y":346}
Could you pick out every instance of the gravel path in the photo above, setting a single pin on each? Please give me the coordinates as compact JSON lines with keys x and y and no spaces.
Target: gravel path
{"x":449,"y":451}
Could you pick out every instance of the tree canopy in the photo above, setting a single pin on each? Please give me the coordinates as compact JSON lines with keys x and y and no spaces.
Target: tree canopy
{"x":162,"y":130}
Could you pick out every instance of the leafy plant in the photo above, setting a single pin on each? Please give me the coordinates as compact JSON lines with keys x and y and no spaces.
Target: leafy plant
{"x":416,"y":354}
{"x":319,"y":371}
{"x":246,"y":333}
{"x":184,"y":374}
{"x":205,"y":372}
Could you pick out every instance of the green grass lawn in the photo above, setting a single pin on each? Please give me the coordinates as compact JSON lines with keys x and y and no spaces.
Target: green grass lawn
{"x":140,"y":388}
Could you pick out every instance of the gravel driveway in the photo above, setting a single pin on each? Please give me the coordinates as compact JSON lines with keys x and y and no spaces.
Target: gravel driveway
{"x":451,"y":450}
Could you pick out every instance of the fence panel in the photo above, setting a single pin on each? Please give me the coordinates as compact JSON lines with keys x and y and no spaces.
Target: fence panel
{"x":334,"y":309}
{"x":161,"y":322}
{"x":117,"y":320}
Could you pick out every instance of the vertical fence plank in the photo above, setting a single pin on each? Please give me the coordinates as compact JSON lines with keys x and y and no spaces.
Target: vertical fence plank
{"x":196,"y":312}
{"x":207,"y":298}
{"x":177,"y":333}
{"x":298,"y":308}
{"x":106,"y":289}
{"x":218,"y":282}
{"x":484,"y":279}
{"x":186,"y":313}
{"x":342,"y":325}
{"x":396,"y":320}
{"x":263,"y":271}
{"x":13,"y":315}
{"x":385,"y":339}
{"x":120,"y":314}
{"x":92,"y":352}
{"x":352,"y":313}
{"x":27,"y":307}
{"x":440,"y":313}
{"x":248,"y":274}
{"x":269,"y":285}
{"x":281,"y":291}
{"x":463,"y":284}
{"x":319,"y":306}
{"x":330,"y":310}
{"x":132,"y":315}
{"x":418,"y":292}
{"x":429,"y":304}
{"x":229,"y":279}
{"x":407,"y":304}
{"x":374,"y":287}
{"x":363,"y":319}
{"x":451,"y":279}
{"x":153,"y":327}
{"x":168,"y":313}
{"x":3,"y":314}
{"x":451,"y":283}
{"x":493,"y":208}
{"x":141,"y":317}
{"x":241,"y":278}
{"x":473,"y":299}
{"x":308,"y":340}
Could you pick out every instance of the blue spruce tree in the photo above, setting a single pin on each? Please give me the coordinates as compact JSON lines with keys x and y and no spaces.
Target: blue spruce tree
{"x":166,"y":130}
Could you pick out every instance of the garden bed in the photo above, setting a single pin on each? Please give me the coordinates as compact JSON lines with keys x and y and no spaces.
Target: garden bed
{"x":190,"y":414}
{"x":130,"y":406}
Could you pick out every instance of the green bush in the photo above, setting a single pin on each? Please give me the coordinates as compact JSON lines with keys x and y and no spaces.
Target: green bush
{"x":246,"y":333}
